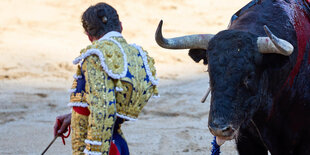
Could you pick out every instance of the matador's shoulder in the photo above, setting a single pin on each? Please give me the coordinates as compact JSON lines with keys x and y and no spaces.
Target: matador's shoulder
{"x":111,"y":56}
{"x":149,"y":64}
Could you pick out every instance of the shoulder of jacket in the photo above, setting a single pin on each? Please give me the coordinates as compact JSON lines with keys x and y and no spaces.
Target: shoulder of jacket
{"x":149,"y":64}
{"x":111,"y":56}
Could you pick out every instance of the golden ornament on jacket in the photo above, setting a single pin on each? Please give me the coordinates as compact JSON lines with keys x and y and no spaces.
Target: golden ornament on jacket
{"x":115,"y":79}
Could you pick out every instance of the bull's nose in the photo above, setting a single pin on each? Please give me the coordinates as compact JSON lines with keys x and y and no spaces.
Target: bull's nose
{"x":221,"y":130}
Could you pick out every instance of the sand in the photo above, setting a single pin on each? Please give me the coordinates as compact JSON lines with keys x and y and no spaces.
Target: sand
{"x":40,"y":38}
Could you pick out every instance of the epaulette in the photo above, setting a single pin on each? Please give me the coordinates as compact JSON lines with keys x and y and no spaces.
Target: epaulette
{"x":112,"y":57}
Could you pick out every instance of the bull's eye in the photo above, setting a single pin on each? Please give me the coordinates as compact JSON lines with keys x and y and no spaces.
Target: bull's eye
{"x":248,"y":81}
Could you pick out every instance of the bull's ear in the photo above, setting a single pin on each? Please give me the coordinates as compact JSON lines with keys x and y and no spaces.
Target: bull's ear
{"x":198,"y":54}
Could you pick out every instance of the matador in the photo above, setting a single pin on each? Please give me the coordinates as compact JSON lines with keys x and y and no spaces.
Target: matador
{"x":113,"y":82}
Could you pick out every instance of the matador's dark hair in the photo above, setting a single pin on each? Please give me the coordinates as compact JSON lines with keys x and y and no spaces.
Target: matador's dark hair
{"x":100,"y":19}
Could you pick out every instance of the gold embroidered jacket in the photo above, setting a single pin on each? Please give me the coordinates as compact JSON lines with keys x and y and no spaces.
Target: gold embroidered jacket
{"x":115,"y":80}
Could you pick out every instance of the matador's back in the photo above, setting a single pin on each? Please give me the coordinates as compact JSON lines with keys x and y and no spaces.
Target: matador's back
{"x":130,"y":75}
{"x":114,"y":81}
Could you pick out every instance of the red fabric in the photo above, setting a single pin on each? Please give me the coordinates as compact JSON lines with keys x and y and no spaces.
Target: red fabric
{"x":81,"y":110}
{"x":114,"y":150}
{"x":64,"y":136}
{"x":302,"y":27}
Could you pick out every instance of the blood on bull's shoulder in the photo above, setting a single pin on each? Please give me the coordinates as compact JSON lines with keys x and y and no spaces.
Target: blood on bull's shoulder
{"x":259,"y":76}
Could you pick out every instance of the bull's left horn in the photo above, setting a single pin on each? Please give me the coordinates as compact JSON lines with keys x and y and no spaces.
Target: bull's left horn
{"x":273,"y":44}
{"x":198,"y":41}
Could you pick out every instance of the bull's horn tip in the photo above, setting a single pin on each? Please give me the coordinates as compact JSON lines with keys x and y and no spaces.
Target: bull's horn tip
{"x":265,"y":27}
{"x":160,"y":23}
{"x":159,"y":27}
{"x":267,"y":30}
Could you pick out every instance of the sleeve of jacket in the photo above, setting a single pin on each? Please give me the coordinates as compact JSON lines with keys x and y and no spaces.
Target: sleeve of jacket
{"x":101,"y":99}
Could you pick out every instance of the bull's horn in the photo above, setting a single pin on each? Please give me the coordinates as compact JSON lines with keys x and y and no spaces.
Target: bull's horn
{"x":198,"y":41}
{"x":272,"y":44}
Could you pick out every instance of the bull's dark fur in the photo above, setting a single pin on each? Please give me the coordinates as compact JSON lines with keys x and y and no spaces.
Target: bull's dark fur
{"x":249,"y":89}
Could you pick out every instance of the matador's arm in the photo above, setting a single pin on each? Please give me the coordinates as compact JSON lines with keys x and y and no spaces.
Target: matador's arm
{"x":101,"y":99}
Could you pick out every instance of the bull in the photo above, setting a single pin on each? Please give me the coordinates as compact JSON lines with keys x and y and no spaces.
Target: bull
{"x":259,"y":72}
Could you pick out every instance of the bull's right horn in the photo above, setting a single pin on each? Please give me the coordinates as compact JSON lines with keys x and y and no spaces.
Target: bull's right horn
{"x":273,"y":44}
{"x":198,"y":41}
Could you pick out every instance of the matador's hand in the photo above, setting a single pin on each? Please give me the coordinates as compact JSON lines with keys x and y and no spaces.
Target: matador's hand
{"x":61,"y":125}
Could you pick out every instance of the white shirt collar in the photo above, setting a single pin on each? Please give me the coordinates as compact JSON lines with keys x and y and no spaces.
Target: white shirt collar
{"x":111,"y":34}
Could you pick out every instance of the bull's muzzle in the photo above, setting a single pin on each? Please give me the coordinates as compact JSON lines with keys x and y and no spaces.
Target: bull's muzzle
{"x":224,"y":131}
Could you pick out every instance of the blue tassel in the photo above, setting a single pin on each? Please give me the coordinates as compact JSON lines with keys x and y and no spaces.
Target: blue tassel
{"x":215,"y":148}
